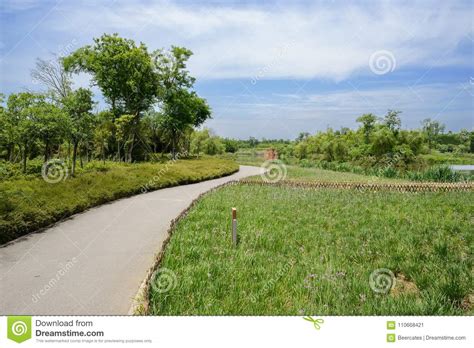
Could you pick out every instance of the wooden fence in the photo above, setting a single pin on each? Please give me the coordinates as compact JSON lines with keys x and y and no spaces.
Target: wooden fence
{"x":399,"y":187}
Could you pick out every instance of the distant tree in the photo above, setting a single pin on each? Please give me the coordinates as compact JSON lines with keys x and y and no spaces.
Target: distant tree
{"x":230,"y":145}
{"x":197,"y":141}
{"x":432,"y":129}
{"x":471,"y":143}
{"x":300,"y":150}
{"x":53,"y":76}
{"x":253,"y":142}
{"x":345,"y":130}
{"x":368,"y":124}
{"x":392,"y":120}
{"x":213,"y":146}
{"x":302,"y":136}
{"x":383,"y":141}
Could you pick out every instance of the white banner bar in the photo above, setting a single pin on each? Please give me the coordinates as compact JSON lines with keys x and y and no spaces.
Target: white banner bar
{"x":110,"y":331}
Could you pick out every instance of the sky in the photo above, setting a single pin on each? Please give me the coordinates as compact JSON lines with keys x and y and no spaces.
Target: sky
{"x":274,"y":69}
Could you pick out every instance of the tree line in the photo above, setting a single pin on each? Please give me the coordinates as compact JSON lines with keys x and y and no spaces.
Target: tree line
{"x":381,"y":140}
{"x":152,"y":106}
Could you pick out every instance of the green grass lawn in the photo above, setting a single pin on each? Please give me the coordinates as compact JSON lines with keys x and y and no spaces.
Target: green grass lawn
{"x":436,"y":157}
{"x":313,"y":251}
{"x":322,"y":175}
{"x":28,"y":204}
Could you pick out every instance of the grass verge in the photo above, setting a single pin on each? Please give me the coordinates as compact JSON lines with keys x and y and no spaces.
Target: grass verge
{"x":303,"y":252}
{"x":322,"y":175}
{"x":30,"y":204}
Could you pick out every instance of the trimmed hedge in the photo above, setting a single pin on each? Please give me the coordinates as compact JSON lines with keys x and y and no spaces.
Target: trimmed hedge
{"x":27,"y":205}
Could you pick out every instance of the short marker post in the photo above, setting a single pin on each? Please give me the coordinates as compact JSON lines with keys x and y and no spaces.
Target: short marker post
{"x":234,"y":226}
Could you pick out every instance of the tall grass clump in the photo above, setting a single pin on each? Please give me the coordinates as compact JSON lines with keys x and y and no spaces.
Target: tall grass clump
{"x":439,"y":173}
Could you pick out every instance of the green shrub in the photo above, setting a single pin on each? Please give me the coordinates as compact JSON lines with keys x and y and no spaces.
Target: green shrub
{"x":97,"y":166}
{"x":27,"y":204}
{"x":436,"y":173}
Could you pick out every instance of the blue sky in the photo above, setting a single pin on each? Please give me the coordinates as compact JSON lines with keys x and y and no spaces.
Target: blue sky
{"x":273,"y":68}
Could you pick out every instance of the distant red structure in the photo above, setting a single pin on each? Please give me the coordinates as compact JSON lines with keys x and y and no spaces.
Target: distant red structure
{"x":270,"y":154}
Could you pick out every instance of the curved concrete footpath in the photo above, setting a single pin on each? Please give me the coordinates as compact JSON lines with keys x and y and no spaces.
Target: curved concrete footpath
{"x":94,"y":262}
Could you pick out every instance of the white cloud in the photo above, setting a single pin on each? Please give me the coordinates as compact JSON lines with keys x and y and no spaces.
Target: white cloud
{"x":297,"y":41}
{"x":330,"y":41}
{"x":8,"y":6}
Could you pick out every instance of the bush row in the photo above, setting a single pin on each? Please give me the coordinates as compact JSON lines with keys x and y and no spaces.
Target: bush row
{"x":28,"y":204}
{"x":440,"y":173}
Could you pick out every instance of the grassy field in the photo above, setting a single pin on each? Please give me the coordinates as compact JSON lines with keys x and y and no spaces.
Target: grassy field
{"x":307,"y":252}
{"x":436,"y":157}
{"x":316,"y":174}
{"x":436,"y":171}
{"x":297,"y":173}
{"x":28,"y":204}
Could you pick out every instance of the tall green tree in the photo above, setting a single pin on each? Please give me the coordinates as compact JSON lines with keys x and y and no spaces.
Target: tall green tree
{"x":181,"y":107}
{"x":103,"y":130}
{"x":125,"y":132}
{"x":431,"y":129}
{"x":78,"y":105}
{"x":20,"y":118}
{"x":51,"y":124}
{"x":8,"y":130}
{"x":125,"y":74}
{"x":182,"y":111}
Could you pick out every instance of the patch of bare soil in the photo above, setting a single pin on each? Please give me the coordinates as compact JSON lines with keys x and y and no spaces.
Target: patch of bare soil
{"x":403,"y":286}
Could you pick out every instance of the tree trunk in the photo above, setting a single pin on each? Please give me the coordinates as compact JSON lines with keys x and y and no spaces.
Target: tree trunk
{"x":10,"y":152}
{"x":46,"y":151}
{"x":130,"y":149}
{"x":74,"y":157}
{"x":173,"y":144}
{"x":134,"y":130}
{"x":24,"y":158}
{"x":68,"y":150}
{"x":118,"y":151}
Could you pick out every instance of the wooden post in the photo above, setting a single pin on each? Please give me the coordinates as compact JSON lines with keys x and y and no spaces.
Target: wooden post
{"x":234,"y":226}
